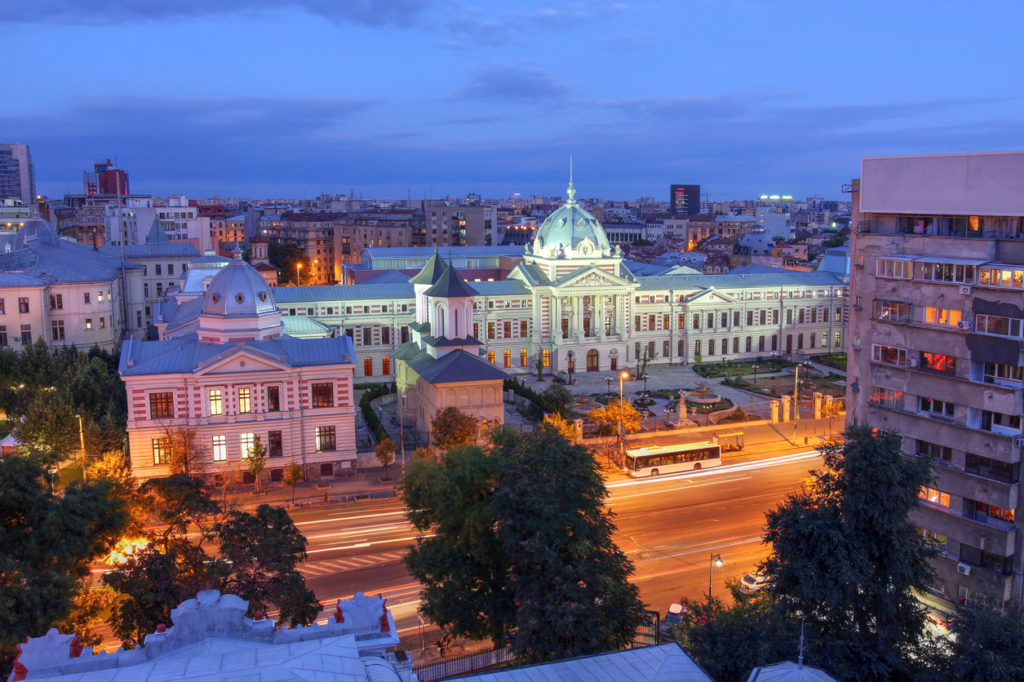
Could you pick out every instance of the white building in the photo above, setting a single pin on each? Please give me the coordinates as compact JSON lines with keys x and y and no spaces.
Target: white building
{"x":134,"y":217}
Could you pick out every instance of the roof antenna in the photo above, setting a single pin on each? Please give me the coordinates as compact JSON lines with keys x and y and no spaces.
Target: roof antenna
{"x":800,"y":658}
{"x":571,"y":191}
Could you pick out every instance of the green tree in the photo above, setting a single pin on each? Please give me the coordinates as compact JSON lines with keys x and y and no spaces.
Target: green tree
{"x":293,"y":475}
{"x":188,"y":451}
{"x":285,"y":257}
{"x":847,"y":558}
{"x":256,"y":461}
{"x":49,"y":431}
{"x":556,"y":421}
{"x":385,"y":453}
{"x":539,"y":366}
{"x":423,"y":452}
{"x":460,"y":563}
{"x":987,"y":646}
{"x":615,"y":412}
{"x":557,"y":399}
{"x":264,"y":550}
{"x":569,"y":580}
{"x":48,"y":544}
{"x":451,"y":427}
{"x":115,"y":467}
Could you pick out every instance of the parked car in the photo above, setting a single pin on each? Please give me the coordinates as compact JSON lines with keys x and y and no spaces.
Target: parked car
{"x":752,"y":583}
{"x":673,"y":617}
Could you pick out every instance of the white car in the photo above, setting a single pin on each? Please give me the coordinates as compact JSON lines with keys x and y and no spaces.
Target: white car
{"x":753,"y":583}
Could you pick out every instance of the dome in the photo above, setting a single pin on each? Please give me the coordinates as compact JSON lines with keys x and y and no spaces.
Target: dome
{"x":568,"y":227}
{"x":238,"y":290}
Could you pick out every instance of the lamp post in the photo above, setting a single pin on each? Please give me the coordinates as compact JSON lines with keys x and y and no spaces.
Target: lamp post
{"x":298,"y":274}
{"x":81,"y":438}
{"x":714,"y":560}
{"x":571,"y":365}
{"x":755,"y":374}
{"x":796,"y":393}
{"x":401,"y":430}
{"x":622,"y":439}
{"x":608,"y":388}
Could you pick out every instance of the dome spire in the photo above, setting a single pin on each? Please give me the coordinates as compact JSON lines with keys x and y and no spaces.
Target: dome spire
{"x":571,"y":191}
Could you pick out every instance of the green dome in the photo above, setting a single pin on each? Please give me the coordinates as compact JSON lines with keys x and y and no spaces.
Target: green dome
{"x":568,"y":227}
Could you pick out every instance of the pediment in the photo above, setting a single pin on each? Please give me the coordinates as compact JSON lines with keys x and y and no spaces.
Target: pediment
{"x":242,"y":360}
{"x":592,"y":277}
{"x":710,"y":296}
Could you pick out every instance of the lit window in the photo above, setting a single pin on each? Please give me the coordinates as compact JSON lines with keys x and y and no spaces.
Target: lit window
{"x":216,"y":402}
{"x":244,"y":400}
{"x":325,"y":438}
{"x":934,"y":496}
{"x":323,"y":395}
{"x":88,"y":323}
{"x":522,"y":358}
{"x":508,"y":358}
{"x":161,"y":405}
{"x":246,"y":441}
{"x":490,"y":356}
{"x":220,"y":448}
{"x":161,"y":450}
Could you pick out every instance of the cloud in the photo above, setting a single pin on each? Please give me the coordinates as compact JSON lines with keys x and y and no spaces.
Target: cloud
{"x":505,"y":82}
{"x":365,"y":12}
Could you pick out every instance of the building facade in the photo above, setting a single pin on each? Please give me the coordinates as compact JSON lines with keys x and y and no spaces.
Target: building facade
{"x":225,"y":370}
{"x":935,"y":350}
{"x":17,"y":175}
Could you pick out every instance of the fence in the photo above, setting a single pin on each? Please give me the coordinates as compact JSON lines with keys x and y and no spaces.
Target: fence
{"x":464,"y":664}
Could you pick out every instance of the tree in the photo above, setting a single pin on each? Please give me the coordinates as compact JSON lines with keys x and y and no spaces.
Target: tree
{"x":569,"y":580}
{"x":48,"y":544}
{"x":188,"y":452}
{"x":451,"y":427}
{"x":293,"y":474}
{"x":385,"y":453}
{"x":263,"y":551}
{"x":114,"y":467}
{"x":285,"y":257}
{"x":616,"y":411}
{"x":49,"y":431}
{"x":539,"y":366}
{"x":256,"y":461}
{"x":567,"y":429}
{"x":423,"y":452}
{"x":517,"y":537}
{"x":987,"y":646}
{"x":729,"y":642}
{"x":460,"y":563}
{"x":847,"y":558}
{"x":556,"y":398}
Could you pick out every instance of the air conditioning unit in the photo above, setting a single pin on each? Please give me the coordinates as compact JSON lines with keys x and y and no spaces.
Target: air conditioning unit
{"x":963,"y":569}
{"x":965,"y":290}
{"x":914,"y":363}
{"x":965,"y":325}
{"x":1018,"y":442}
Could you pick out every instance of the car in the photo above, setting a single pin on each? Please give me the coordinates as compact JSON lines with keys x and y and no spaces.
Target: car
{"x":752,"y":583}
{"x":673,"y":617}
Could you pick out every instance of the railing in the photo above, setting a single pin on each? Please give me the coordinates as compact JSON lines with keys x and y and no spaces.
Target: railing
{"x":463,"y":665}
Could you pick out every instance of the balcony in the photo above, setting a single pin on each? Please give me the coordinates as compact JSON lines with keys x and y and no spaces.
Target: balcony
{"x":964,"y":530}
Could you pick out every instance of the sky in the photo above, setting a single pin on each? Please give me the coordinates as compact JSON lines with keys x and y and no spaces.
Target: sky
{"x":433,"y":98}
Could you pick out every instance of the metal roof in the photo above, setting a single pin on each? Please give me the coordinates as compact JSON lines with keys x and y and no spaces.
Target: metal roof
{"x":504,"y":287}
{"x":741,"y":281}
{"x":341,"y":293}
{"x":454,"y":367}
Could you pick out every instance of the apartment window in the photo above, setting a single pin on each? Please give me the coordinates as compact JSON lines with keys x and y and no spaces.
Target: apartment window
{"x":368,"y":367}
{"x":947,"y":316}
{"x":476,"y":330}
{"x":935,"y":451}
{"x":244,"y":400}
{"x":652,"y":323}
{"x":999,"y":422}
{"x":890,"y":355}
{"x":322,"y":395}
{"x":935,"y":407}
{"x":889,"y":267}
{"x":145,"y":289}
{"x":246,"y":441}
{"x":99,"y":297}
{"x":711,"y":320}
{"x":56,"y":302}
{"x":887,"y":397}
{"x":507,"y":330}
{"x":405,"y":335}
{"x":325,"y":439}
{"x":57,"y":330}
{"x":789,"y":316}
{"x":161,"y":450}
{"x":220,"y":448}
{"x":711,"y":347}
{"x":508,"y":358}
{"x":1001,"y":277}
{"x":945,"y":272}
{"x":750,"y":318}
{"x":933,"y":539}
{"x":273,"y":399}
{"x":275,"y":446}
{"x":979,"y":557}
{"x":103,"y":323}
{"x":736,"y":318}
{"x":170,"y":268}
{"x":811,"y":339}
{"x":490,"y":330}
{"x":696,"y":321}
{"x":994,"y":324}
{"x":159,"y":269}
{"x":385,"y":365}
{"x":161,"y":405}
{"x":992,"y":468}
{"x":982,"y":511}
{"x":522,"y":357}
{"x":159,"y":288}
{"x":26,"y":334}
{"x":762,"y":316}
{"x":367,"y":336}
{"x":490,"y":356}
{"x":216,"y":402}
{"x":385,"y":335}
{"x":749,"y":344}
{"x":997,"y":373}
{"x":86,"y":297}
{"x":800,"y":316}
{"x":23,"y":305}
{"x":893,"y":311}
{"x":937,"y":362}
{"x":636,"y":322}
{"x":523,"y":332}
{"x":934,"y":496}
{"x":546,"y":358}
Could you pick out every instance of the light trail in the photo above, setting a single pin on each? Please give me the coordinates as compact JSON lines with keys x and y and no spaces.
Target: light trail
{"x":719,"y":471}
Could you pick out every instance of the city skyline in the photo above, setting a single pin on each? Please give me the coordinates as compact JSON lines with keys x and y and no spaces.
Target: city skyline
{"x":401,"y":98}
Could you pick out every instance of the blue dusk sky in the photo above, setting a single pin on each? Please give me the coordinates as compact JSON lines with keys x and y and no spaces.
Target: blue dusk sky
{"x":389,"y":98}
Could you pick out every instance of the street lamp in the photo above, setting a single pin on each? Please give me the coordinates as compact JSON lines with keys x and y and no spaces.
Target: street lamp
{"x":622,"y":439}
{"x":755,"y":375}
{"x":796,"y":392}
{"x":298,"y":274}
{"x":81,"y":438}
{"x":608,"y":387}
{"x":714,"y":560}
{"x":401,"y":430}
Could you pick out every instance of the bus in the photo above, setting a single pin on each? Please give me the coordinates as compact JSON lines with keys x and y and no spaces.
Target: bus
{"x":666,"y":459}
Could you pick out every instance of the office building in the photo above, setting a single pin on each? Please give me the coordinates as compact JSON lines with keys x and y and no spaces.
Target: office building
{"x":684,"y":199}
{"x":105,"y":178}
{"x":935,"y":339}
{"x":17,"y":176}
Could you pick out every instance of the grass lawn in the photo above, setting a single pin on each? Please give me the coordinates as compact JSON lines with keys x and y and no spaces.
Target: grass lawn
{"x":784,"y":385}
{"x":714,"y":370}
{"x":836,"y":360}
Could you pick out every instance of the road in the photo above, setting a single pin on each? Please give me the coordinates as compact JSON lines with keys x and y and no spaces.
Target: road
{"x":668,"y":526}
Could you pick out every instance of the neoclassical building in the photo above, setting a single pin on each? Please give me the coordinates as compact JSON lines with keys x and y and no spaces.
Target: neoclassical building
{"x":572,"y":302}
{"x":226,"y":368}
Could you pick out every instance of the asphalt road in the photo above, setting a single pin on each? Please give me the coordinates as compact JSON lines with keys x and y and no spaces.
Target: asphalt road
{"x":669,"y":526}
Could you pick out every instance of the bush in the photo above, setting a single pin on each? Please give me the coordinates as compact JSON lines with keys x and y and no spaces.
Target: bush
{"x":374,"y":391}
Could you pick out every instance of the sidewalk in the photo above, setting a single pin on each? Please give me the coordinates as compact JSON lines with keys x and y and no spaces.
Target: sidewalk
{"x":362,"y":486}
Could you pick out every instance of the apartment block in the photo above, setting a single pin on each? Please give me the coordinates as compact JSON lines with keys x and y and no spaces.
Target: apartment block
{"x":935,"y":350}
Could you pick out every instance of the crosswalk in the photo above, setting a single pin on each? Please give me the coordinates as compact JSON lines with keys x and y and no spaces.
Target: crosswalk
{"x":313,"y":569}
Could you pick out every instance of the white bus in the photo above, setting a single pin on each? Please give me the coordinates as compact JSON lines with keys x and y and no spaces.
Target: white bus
{"x":666,"y":459}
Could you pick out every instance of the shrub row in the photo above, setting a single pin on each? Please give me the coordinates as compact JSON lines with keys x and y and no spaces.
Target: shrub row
{"x":372,"y":392}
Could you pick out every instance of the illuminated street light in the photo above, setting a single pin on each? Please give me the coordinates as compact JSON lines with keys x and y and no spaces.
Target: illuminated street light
{"x":714,"y":560}
{"x":622,"y":438}
{"x":81,"y":438}
{"x":298,"y":274}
